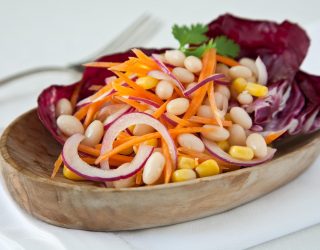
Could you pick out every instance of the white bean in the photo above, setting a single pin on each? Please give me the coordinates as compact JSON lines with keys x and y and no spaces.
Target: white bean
{"x":142,"y":129}
{"x":124,"y":183}
{"x":178,"y":106}
{"x":241,"y":117}
{"x":252,"y":79}
{"x":249,"y":63}
{"x":205,"y":111}
{"x":63,"y":107}
{"x":164,"y":89}
{"x":223,"y":69}
{"x":218,"y":97}
{"x":174,"y":57}
{"x":193,"y":64}
{"x":94,"y":133}
{"x":191,"y":141}
{"x":240,"y":71}
{"x":245,"y":98}
{"x":153,"y":168}
{"x":237,"y":135}
{"x":224,"y":90}
{"x":257,"y":143}
{"x":183,"y":75}
{"x":217,"y":134}
{"x":69,"y":125}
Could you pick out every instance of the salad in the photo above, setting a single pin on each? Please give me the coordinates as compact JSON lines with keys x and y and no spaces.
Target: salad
{"x":214,"y":104}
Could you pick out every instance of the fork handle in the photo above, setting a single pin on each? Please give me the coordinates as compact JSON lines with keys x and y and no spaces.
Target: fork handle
{"x":32,"y":71}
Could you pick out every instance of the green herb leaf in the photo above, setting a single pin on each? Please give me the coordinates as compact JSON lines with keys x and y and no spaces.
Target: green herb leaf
{"x":226,"y":46}
{"x":195,"y":34}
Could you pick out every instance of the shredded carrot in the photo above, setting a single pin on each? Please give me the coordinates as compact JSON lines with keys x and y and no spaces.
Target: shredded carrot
{"x":101,"y":64}
{"x":138,"y":88}
{"x":178,"y":91}
{"x":75,"y":94}
{"x":213,"y":105}
{"x":227,"y":61}
{"x":163,"y":107}
{"x":132,"y":103}
{"x":82,"y":112}
{"x":181,"y":121}
{"x":194,"y":154}
{"x":57,"y":166}
{"x":88,"y":160}
{"x":95,"y":87}
{"x":139,"y":178}
{"x":145,"y":59}
{"x":93,"y":108}
{"x":89,"y":150}
{"x":274,"y":135}
{"x":212,"y":121}
{"x":168,"y":168}
{"x":209,"y":65}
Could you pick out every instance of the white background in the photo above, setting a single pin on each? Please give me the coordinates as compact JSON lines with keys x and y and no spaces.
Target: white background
{"x":37,"y":33}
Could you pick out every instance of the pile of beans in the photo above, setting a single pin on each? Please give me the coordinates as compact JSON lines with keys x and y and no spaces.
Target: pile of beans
{"x":237,"y":140}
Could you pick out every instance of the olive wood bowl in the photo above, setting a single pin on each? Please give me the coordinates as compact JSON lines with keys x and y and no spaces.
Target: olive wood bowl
{"x":28,"y":152}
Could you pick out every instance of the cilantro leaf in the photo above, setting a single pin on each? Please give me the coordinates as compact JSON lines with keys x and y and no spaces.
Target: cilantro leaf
{"x":195,"y":34}
{"x":226,"y":46}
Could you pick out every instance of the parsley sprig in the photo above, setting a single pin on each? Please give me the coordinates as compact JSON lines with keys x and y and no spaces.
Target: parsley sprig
{"x":193,"y":41}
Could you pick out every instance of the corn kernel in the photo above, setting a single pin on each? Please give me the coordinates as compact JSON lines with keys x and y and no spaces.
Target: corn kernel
{"x":147,"y":82}
{"x":71,"y":175}
{"x":152,"y":142}
{"x":183,"y":175}
{"x":208,"y":168}
{"x":224,"y":145}
{"x":241,"y":153}
{"x":256,"y":89}
{"x":186,"y":162}
{"x":239,"y":84}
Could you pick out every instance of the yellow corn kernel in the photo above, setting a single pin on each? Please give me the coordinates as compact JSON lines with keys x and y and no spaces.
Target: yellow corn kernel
{"x":186,"y":162}
{"x":241,"y":153}
{"x":256,"y":90}
{"x":208,"y":168}
{"x":71,"y":175}
{"x":147,"y":82}
{"x":239,"y":84}
{"x":183,"y":175}
{"x":224,"y":145}
{"x":152,"y":142}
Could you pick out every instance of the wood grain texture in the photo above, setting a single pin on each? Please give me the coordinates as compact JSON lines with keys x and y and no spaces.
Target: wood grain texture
{"x":28,"y":153}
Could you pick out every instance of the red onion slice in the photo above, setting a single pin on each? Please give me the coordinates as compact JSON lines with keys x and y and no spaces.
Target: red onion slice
{"x":89,"y":99}
{"x":128,"y":120}
{"x":115,"y":116}
{"x":165,"y":70}
{"x":262,"y":71}
{"x":217,"y":152}
{"x":203,"y":82}
{"x":145,"y":101}
{"x":72,"y":160}
{"x":109,"y":110}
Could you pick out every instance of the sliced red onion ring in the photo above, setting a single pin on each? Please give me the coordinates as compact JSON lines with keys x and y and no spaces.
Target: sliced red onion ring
{"x":128,"y":120}
{"x":89,"y":99}
{"x":217,"y":152}
{"x":115,"y":116}
{"x":145,"y":101}
{"x":109,"y":110}
{"x":72,"y":160}
{"x":222,"y":82}
{"x":214,"y":77}
{"x":262,"y":71}
{"x":169,"y":120}
{"x":165,"y":70}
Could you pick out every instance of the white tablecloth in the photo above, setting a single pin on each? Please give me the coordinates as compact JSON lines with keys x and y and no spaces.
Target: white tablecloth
{"x":42,"y":33}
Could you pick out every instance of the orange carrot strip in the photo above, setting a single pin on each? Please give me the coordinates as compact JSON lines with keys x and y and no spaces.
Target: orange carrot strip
{"x":57,"y":165}
{"x":213,"y":105}
{"x":177,"y":90}
{"x":82,"y":112}
{"x":90,"y":114}
{"x":75,"y":94}
{"x":169,"y":164}
{"x":180,"y":121}
{"x":227,"y":61}
{"x":89,"y":150}
{"x":145,"y":59}
{"x":101,"y":64}
{"x":209,"y":64}
{"x":132,"y":103}
{"x":139,"y":178}
{"x":138,"y":88}
{"x":88,"y":160}
{"x":212,"y":121}
{"x":161,"y":109}
{"x":95,"y":87}
{"x":274,"y":135}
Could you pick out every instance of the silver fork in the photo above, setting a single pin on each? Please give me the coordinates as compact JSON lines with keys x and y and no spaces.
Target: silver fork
{"x":140,"y":31}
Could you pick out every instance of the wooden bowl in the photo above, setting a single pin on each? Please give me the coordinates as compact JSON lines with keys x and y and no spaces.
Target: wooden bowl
{"x":28,"y":152}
